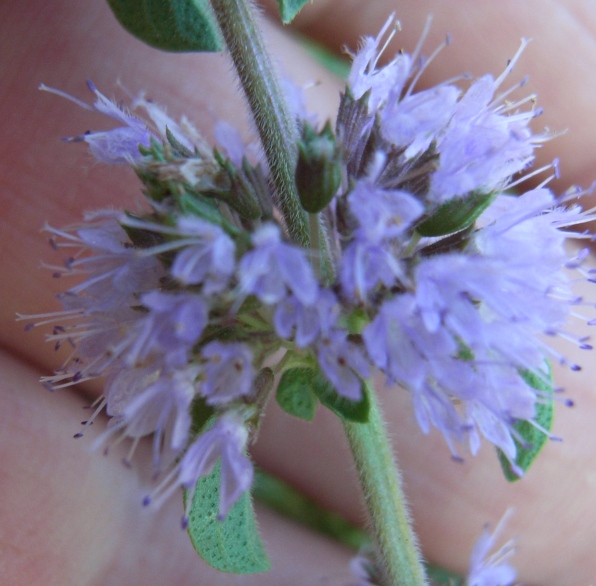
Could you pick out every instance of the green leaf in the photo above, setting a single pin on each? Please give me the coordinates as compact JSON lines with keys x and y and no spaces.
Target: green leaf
{"x":336,"y":64}
{"x":232,"y":545}
{"x":533,"y":438}
{"x":288,"y":9}
{"x":170,"y":25}
{"x":456,"y":214}
{"x":351,"y":410}
{"x":295,"y":395}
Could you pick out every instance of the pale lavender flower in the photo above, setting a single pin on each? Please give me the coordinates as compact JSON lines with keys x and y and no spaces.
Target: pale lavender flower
{"x":306,"y":322}
{"x":493,"y":569}
{"x":365,"y":265}
{"x":228,"y":371}
{"x":273,"y":267}
{"x":366,"y":76}
{"x":172,"y":326}
{"x":343,"y":363}
{"x":98,"y":313}
{"x":426,"y":362}
{"x":382,"y":214}
{"x":115,"y":273}
{"x":483,"y":146}
{"x":207,"y":258}
{"x":225,"y":441}
{"x":294,"y":319}
{"x":162,"y":409}
{"x":415,"y":120}
{"x":120,"y":145}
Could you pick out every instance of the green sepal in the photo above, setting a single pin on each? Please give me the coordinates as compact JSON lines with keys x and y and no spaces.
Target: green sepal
{"x":295,"y":393}
{"x":232,"y":545}
{"x":288,"y":9}
{"x":235,"y":189}
{"x":170,"y":25}
{"x":195,"y":204}
{"x":455,"y":215}
{"x":534,"y":439}
{"x":319,"y":167}
{"x":351,"y":410}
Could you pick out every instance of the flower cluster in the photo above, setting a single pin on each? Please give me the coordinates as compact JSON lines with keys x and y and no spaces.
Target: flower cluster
{"x":421,"y":267}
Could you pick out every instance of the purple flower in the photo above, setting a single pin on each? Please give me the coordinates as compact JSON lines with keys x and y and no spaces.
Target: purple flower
{"x":98,"y":312}
{"x":115,"y":273}
{"x":306,"y":322}
{"x":382,"y":214}
{"x":225,"y":441}
{"x":162,"y":409}
{"x":364,"y":266}
{"x":491,"y":570}
{"x":120,"y":145}
{"x":365,"y":76}
{"x":343,"y":363}
{"x":274,"y":267}
{"x":414,"y":121}
{"x":293,"y":319}
{"x":207,"y":257}
{"x":482,"y":147}
{"x":371,"y":257}
{"x":228,"y":371}
{"x":173,"y":325}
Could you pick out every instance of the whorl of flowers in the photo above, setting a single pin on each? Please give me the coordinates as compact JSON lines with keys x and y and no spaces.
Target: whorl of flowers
{"x":421,"y":267}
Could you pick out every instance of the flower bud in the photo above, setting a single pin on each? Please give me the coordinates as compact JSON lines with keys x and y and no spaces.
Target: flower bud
{"x":318,"y":172}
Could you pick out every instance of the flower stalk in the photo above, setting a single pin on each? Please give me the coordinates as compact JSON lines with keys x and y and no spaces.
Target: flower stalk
{"x":276,"y":127}
{"x":397,"y":548}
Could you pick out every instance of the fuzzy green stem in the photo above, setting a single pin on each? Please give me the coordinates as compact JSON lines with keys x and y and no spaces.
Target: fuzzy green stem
{"x":276,"y":127}
{"x":397,"y":548}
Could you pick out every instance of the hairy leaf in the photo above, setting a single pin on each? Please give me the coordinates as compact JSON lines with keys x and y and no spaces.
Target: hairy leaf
{"x":288,"y":9}
{"x":352,"y":410}
{"x":170,"y":25}
{"x":232,"y":545}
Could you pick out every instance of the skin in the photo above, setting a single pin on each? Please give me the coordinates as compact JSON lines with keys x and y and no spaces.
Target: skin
{"x":69,"y":516}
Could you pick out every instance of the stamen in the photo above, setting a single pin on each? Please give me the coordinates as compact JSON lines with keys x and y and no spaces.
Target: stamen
{"x":426,"y":63}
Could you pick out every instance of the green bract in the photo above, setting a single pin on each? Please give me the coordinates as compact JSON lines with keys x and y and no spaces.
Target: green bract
{"x":319,"y":168}
{"x":456,"y":214}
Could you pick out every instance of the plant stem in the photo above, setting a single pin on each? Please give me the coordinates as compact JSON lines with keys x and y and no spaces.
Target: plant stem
{"x":276,"y":127}
{"x":397,"y":548}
